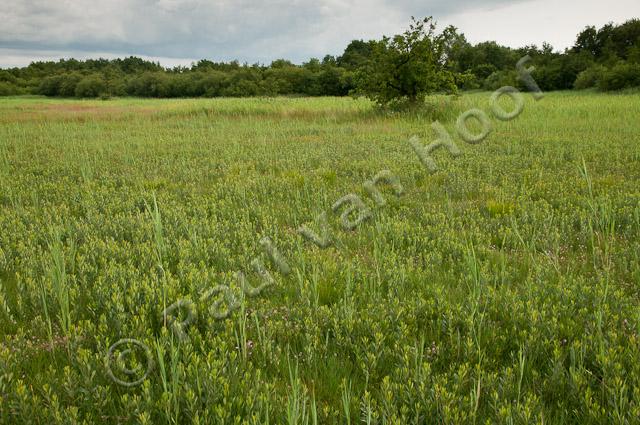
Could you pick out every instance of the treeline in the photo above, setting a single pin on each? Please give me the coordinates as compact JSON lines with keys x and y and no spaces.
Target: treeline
{"x":607,"y":58}
{"x":136,"y":77}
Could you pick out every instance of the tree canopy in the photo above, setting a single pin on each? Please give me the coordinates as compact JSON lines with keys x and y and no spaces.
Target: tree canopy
{"x":408,"y":66}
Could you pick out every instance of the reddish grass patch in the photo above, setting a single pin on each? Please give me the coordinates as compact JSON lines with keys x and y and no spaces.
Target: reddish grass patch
{"x":72,"y":112}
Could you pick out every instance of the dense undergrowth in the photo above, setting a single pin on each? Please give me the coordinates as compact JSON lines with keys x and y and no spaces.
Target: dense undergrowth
{"x":501,"y":289}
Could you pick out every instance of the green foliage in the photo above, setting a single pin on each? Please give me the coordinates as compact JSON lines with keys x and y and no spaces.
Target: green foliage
{"x":69,"y":84}
{"x":90,"y":86}
{"x":356,"y":55}
{"x":622,"y":75}
{"x":209,"y":84}
{"x":406,"y":67}
{"x":501,"y":289}
{"x":559,"y":72}
{"x":8,"y":89}
{"x":484,"y":70}
{"x":500,"y":79}
{"x":490,"y":62}
{"x":149,"y":84}
{"x":242,"y":83}
{"x":590,"y":77}
{"x":59,"y":282}
{"x":50,"y":86}
{"x":611,"y":42}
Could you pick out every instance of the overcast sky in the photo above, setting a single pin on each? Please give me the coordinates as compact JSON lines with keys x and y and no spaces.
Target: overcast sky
{"x":177,"y":32}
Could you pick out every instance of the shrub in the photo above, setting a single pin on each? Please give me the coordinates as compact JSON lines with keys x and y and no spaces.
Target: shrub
{"x":8,"y":89}
{"x":116,"y":86}
{"x":91,"y":86}
{"x":330,"y":80}
{"x":150,"y":84}
{"x":621,"y":76}
{"x":183,"y":85}
{"x":59,"y":85}
{"x":467,"y":81}
{"x":50,"y":86}
{"x":68,"y":84}
{"x":212,"y":83}
{"x":499,"y":79}
{"x":590,"y":77}
{"x":482,"y":71}
{"x":560,"y":73}
{"x":242,"y":83}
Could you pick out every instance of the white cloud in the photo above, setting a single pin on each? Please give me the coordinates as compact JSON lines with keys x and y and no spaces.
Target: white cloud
{"x":553,"y":21}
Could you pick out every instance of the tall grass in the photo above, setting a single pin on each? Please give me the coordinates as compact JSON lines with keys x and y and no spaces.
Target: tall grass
{"x":59,"y":281}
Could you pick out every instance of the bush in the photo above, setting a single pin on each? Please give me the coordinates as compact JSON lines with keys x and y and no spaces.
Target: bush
{"x":8,"y":89}
{"x":483,"y":71}
{"x":59,"y":85}
{"x":590,"y":77}
{"x":50,"y":86}
{"x":68,"y":84}
{"x":499,"y":79}
{"x":150,"y":84}
{"x":243,"y":83}
{"x":621,"y":76}
{"x":467,"y":81}
{"x":91,"y":86}
{"x":212,"y":83}
{"x":116,"y":87}
{"x":330,"y":81}
{"x":560,"y":73}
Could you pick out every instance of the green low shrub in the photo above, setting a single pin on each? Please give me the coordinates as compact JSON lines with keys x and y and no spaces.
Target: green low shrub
{"x":500,"y":79}
{"x":8,"y":89}
{"x":621,"y":76}
{"x":91,"y":86}
{"x":589,"y":78}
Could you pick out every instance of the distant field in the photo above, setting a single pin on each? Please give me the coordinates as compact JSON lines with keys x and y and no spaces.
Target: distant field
{"x":504,"y":288}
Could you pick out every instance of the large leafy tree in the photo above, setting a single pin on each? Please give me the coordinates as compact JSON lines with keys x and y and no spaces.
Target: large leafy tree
{"x":357,"y":53}
{"x":407,"y":67}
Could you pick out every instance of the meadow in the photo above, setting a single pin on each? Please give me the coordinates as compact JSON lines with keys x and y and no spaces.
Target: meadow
{"x":502,"y":288}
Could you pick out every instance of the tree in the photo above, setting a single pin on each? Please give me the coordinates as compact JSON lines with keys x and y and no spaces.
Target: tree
{"x":407,"y":67}
{"x":357,"y":53}
{"x":455,"y":48}
{"x":587,"y":41}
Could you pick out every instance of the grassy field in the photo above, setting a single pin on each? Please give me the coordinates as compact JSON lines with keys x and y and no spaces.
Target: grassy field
{"x":503,"y":288}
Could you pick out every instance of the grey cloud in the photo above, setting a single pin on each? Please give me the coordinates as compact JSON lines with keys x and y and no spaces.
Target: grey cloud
{"x":220,"y":29}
